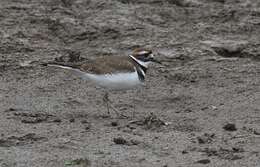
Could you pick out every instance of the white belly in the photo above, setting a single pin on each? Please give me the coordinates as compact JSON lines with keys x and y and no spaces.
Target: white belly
{"x":120,"y":81}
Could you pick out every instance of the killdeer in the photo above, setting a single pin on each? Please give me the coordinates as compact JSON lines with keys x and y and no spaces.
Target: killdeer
{"x":113,"y":72}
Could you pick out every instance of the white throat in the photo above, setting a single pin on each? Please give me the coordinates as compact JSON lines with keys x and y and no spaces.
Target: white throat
{"x":145,"y":64}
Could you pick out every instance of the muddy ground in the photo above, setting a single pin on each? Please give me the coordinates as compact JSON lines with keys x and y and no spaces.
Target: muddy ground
{"x":201,"y":107}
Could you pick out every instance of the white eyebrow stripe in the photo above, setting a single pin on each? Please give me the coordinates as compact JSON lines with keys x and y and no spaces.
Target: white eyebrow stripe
{"x":143,"y":52}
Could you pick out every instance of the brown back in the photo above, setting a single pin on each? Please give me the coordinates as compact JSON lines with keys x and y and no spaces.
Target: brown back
{"x":104,"y":65}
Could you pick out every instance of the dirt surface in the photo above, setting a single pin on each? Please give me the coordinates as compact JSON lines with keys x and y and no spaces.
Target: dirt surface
{"x":201,"y":107}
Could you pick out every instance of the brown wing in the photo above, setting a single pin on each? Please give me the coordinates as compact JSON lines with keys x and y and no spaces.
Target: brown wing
{"x":108,"y":65}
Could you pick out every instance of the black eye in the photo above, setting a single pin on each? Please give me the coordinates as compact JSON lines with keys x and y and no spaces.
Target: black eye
{"x":144,"y":57}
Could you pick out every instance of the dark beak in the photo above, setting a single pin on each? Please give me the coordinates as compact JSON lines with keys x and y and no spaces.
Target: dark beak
{"x":154,"y":60}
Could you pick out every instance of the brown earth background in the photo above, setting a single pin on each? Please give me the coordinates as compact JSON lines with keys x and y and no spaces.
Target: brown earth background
{"x":201,"y":107}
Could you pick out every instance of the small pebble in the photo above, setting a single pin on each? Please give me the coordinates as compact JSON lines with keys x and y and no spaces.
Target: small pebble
{"x":230,"y":127}
{"x":119,"y":140}
{"x":114,"y":123}
{"x":238,"y":149}
{"x":184,"y":152}
{"x":203,"y":161}
{"x":256,"y":132}
{"x":10,"y":109}
{"x":72,"y":120}
{"x":87,"y":127}
{"x":58,"y":120}
{"x":84,"y":121}
{"x":135,"y":142}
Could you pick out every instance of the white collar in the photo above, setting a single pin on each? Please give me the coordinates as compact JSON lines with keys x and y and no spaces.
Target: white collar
{"x":144,"y":64}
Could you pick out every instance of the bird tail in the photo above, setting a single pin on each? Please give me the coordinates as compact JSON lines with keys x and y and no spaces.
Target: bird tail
{"x":70,"y":68}
{"x":60,"y":66}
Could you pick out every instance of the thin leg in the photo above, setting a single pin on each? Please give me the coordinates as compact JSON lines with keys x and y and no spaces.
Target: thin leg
{"x":106,"y":100}
{"x":134,"y":102}
{"x":108,"y":103}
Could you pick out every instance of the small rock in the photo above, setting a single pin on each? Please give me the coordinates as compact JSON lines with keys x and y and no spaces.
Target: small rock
{"x":214,"y":107}
{"x":230,"y":127}
{"x":10,"y":109}
{"x":87,"y":127}
{"x":188,"y":110}
{"x":84,"y":121}
{"x":70,"y":56}
{"x":202,"y":140}
{"x":25,"y":63}
{"x":184,"y":152}
{"x":72,"y":120}
{"x":203,"y":161}
{"x":119,"y":140}
{"x":80,"y":161}
{"x":235,"y":157}
{"x":127,"y":130}
{"x":135,"y":142}
{"x":205,"y":138}
{"x":130,"y":127}
{"x":204,"y":108}
{"x":114,"y":123}
{"x":58,"y":120}
{"x":238,"y":149}
{"x":31,"y":120}
{"x":219,"y":1}
{"x":184,"y":3}
{"x":257,"y":132}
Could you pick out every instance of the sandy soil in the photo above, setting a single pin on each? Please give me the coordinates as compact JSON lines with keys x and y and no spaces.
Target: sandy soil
{"x":200,"y":108}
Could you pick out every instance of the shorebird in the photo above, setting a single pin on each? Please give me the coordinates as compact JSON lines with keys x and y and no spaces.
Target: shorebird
{"x":113,"y":72}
